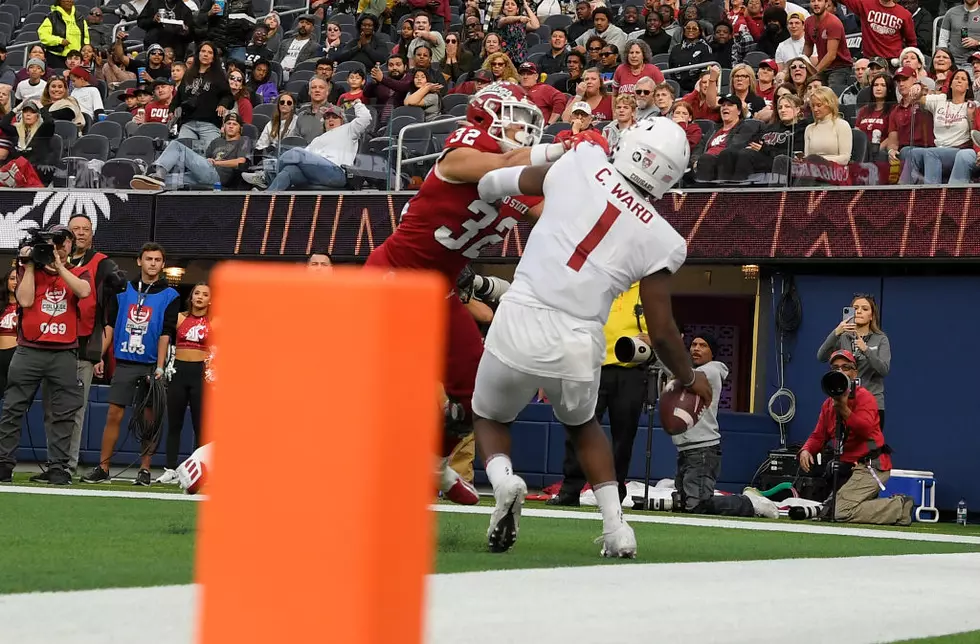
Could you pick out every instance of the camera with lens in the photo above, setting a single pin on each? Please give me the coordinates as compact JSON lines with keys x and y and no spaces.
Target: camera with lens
{"x":42,"y":243}
{"x":835,"y":384}
{"x":633,"y":350}
{"x":483,"y":287}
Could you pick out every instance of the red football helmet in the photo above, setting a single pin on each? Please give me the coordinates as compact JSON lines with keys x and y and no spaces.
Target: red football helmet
{"x":500,"y":105}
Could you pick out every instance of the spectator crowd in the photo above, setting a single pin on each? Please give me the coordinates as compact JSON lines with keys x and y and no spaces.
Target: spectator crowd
{"x":228,"y":94}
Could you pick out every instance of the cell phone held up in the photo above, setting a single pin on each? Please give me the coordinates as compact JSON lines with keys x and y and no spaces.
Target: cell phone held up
{"x":847,"y":315}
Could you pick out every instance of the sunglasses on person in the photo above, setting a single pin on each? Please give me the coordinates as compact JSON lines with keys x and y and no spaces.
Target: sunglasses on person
{"x":97,"y":14}
{"x":595,"y":48}
{"x":237,"y":79}
{"x":498,"y":63}
{"x":797,"y":66}
{"x":642,"y":92}
{"x":740,"y":76}
{"x":451,"y":40}
{"x":608,"y":53}
{"x":285,"y":102}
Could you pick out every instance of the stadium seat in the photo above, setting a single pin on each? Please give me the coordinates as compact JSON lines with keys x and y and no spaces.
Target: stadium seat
{"x":707,"y":127}
{"x":249,"y":130}
{"x":68,"y":131}
{"x":452,"y":100}
{"x":555,"y":128}
{"x":90,"y":147}
{"x":117,"y":173}
{"x":555,"y":79}
{"x":111,"y":130}
{"x":155,"y":131}
{"x":532,"y":39}
{"x":292,"y":142}
{"x":349,"y":65}
{"x":859,"y":146}
{"x":755,"y":58}
{"x":306,"y":65}
{"x":540,"y":48}
{"x":558,"y":22}
{"x":260,"y":121}
{"x":408,"y":110}
{"x":137,"y":148}
{"x":302,"y":76}
{"x":458,"y":110}
{"x":122,"y":117}
{"x":265,"y":109}
{"x":662,"y":61}
{"x":675,"y":85}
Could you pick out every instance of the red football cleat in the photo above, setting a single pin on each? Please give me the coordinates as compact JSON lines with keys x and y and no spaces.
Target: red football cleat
{"x":462,"y":493}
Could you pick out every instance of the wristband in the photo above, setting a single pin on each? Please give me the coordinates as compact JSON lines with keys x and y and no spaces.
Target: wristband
{"x":543,"y":153}
{"x":500,"y":183}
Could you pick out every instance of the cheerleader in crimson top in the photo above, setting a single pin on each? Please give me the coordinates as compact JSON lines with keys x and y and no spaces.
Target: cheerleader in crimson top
{"x":8,"y":324}
{"x":187,"y":385}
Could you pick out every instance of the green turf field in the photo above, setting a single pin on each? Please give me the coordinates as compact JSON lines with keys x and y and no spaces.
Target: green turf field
{"x":973,"y":637}
{"x":73,"y":543}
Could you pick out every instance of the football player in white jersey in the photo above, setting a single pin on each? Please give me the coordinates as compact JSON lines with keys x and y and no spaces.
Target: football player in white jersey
{"x":597,"y":235}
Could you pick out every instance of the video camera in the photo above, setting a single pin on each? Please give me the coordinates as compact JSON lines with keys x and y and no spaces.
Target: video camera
{"x":633,"y":350}
{"x":43,"y":243}
{"x":835,"y":384}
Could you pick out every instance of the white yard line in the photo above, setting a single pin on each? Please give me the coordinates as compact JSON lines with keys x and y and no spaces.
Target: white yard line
{"x":858,"y":600}
{"x":700,"y":522}
{"x":767,"y":526}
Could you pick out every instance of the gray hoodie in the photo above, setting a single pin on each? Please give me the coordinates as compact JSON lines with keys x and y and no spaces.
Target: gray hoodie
{"x":872,"y":366}
{"x":705,"y":432}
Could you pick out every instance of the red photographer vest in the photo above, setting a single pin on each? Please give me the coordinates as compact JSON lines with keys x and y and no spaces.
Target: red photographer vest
{"x":52,"y":322}
{"x":86,"y":307}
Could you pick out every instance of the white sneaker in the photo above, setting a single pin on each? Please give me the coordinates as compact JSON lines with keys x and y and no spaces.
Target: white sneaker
{"x":506,"y":517}
{"x":168,"y":477}
{"x":256,"y":179}
{"x":763,"y":507}
{"x":620,"y":543}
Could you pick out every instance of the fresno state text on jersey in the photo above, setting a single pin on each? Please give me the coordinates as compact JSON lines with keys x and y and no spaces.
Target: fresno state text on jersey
{"x":445,"y":225}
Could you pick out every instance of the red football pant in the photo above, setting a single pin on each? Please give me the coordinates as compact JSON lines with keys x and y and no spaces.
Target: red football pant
{"x":464,"y":348}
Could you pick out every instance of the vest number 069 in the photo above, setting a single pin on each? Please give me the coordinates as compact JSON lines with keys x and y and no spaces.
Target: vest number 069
{"x":55,"y":328}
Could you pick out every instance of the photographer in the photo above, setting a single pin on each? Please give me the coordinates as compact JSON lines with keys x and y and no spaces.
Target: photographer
{"x":142,"y":321}
{"x":49,"y":296}
{"x":622,"y":390}
{"x":699,"y":451}
{"x":106,"y":280}
{"x":865,"y":457}
{"x":861,"y":334}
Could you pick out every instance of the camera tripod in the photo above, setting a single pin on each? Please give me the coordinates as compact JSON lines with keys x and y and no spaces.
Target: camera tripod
{"x":840,"y":436}
{"x":656,"y":374}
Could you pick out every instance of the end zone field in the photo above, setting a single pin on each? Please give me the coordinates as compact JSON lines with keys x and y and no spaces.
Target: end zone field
{"x":696,"y":579}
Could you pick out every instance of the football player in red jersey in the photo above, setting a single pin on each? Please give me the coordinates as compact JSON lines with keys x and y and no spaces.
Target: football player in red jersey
{"x":445,"y":225}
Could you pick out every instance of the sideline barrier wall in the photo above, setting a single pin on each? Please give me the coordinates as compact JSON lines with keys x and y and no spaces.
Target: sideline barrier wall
{"x":732,"y":226}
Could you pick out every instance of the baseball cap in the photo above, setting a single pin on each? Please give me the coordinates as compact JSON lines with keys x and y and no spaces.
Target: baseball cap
{"x":307,"y":17}
{"x":140,"y":90}
{"x":528,"y":68}
{"x":975,"y":56}
{"x":770,"y":63}
{"x":233,"y":116}
{"x":905,"y":72}
{"x":483,"y":76}
{"x":154,"y":47}
{"x":31,"y":105}
{"x":161,"y":81}
{"x":878,"y":61}
{"x":797,"y":15}
{"x":334,"y":110}
{"x":732,"y":99}
{"x":81,"y":72}
{"x":130,"y":91}
{"x":581,"y":106}
{"x":842,"y":353}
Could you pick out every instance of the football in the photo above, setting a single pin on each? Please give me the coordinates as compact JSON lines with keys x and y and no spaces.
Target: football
{"x":679,"y":408}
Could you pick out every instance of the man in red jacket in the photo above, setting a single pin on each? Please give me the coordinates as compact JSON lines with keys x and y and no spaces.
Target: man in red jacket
{"x":864,"y":451}
{"x":549,"y":100}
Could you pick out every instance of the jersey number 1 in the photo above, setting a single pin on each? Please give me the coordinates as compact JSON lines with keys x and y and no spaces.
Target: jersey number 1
{"x":599,"y":230}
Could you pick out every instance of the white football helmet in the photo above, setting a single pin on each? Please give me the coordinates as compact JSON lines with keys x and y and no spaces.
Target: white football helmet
{"x":653,"y":155}
{"x":498,"y":106}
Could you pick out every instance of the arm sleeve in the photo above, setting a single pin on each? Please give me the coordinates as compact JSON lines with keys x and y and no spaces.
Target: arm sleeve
{"x":820,"y":433}
{"x":362,"y":120}
{"x":828,"y":347}
{"x":112,"y":312}
{"x":944,"y":32}
{"x":881,"y":358}
{"x":170,"y":319}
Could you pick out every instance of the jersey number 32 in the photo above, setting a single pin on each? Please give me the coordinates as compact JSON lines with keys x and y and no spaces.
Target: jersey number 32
{"x":467,"y":240}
